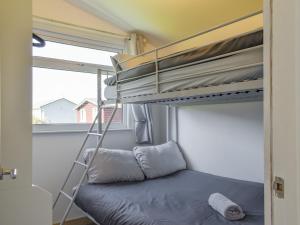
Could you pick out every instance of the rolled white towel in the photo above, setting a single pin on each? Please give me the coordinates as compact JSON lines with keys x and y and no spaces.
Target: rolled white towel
{"x":225,"y":207}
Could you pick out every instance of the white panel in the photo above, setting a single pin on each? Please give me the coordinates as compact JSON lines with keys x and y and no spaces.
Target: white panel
{"x":224,"y":139}
{"x":28,"y":206}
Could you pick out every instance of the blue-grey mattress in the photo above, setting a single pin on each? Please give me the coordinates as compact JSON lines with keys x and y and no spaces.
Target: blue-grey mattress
{"x":178,"y":199}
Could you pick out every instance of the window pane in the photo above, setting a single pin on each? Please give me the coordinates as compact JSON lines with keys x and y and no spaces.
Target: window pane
{"x":68,"y":97}
{"x":107,"y":111}
{"x":63,"y":96}
{"x":74,"y":53}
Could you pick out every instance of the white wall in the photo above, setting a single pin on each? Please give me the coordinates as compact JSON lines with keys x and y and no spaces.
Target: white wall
{"x":53,"y":154}
{"x":224,"y":139}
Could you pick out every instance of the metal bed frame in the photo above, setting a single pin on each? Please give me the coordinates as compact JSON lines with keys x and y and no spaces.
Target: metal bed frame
{"x":232,"y":92}
{"x":157,"y":95}
{"x":175,"y":96}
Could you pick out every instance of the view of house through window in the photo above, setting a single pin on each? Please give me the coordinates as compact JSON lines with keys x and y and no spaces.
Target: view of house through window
{"x":68,"y":97}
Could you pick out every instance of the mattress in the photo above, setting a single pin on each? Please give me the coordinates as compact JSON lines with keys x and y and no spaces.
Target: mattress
{"x":177,"y":199}
{"x":243,"y":66}
{"x":213,"y":50}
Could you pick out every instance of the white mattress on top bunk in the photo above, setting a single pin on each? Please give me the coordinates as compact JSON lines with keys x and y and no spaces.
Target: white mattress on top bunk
{"x":243,"y":66}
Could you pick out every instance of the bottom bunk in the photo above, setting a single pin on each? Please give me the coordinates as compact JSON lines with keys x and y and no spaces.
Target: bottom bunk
{"x":178,"y":199}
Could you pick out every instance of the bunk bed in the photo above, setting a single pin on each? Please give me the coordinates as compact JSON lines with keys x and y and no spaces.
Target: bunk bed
{"x":224,"y":71}
{"x":233,"y":65}
{"x":230,"y":69}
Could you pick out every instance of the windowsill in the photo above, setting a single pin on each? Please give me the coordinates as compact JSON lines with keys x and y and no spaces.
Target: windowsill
{"x":73,"y":128}
{"x":77,"y":131}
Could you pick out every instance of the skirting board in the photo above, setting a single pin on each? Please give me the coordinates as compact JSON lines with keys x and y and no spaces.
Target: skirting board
{"x":80,"y":221}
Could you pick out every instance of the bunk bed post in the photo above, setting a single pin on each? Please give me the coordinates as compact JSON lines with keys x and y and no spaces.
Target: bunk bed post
{"x":172,"y":122}
{"x":176,"y":123}
{"x":99,"y":101}
{"x":156,"y":71}
{"x":168,"y":123}
{"x":117,"y":85}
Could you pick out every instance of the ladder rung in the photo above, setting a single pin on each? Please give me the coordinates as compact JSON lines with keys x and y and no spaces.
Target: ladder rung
{"x":81,"y":164}
{"x":96,"y":134}
{"x":66,"y":195}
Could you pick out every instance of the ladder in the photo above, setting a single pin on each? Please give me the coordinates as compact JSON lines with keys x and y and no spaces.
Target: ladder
{"x":86,"y":167}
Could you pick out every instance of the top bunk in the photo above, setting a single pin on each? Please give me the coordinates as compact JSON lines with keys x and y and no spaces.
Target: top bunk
{"x":225,"y":70}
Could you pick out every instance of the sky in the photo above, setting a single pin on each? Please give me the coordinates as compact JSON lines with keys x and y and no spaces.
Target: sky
{"x":49,"y":85}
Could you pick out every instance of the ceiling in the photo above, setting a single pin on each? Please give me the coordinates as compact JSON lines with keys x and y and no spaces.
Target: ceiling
{"x":162,"y":21}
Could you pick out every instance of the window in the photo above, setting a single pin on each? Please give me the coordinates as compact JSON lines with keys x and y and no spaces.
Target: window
{"x":65,"y":87}
{"x":57,"y":93}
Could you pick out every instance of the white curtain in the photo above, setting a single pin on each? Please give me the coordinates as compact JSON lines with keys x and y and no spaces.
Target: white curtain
{"x":141,"y":112}
{"x":142,"y":123}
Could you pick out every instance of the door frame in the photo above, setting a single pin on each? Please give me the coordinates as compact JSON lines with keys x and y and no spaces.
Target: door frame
{"x":282,"y":109}
{"x":267,"y":13}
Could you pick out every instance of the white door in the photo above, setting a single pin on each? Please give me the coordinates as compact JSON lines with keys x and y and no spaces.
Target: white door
{"x":20,"y":202}
{"x":282,"y":111}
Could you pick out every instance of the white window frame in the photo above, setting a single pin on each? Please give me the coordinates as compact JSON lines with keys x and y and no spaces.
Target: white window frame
{"x":71,"y":34}
{"x":81,"y":37}
{"x":82,"y":115}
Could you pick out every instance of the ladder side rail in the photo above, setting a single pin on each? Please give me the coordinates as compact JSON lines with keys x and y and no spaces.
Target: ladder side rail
{"x":89,"y":165}
{"x":104,"y":133}
{"x":77,"y":156}
{"x":99,"y":99}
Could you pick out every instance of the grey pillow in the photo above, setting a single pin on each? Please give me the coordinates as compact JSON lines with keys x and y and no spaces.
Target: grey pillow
{"x":112,"y":165}
{"x":159,"y":160}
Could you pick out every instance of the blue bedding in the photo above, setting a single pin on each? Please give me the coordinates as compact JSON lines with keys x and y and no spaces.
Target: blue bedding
{"x":177,"y":199}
